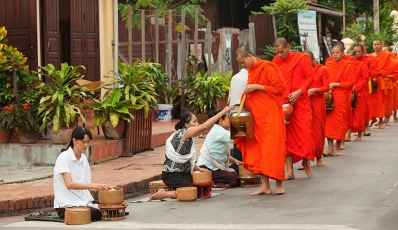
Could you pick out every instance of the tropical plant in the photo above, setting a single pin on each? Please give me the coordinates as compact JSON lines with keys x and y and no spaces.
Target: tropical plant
{"x":12,"y":67}
{"x":204,"y":90}
{"x":162,"y":6}
{"x":23,"y":114}
{"x":286,"y":18}
{"x":169,"y":93}
{"x":112,"y":108}
{"x":59,"y":105}
{"x":137,"y":84}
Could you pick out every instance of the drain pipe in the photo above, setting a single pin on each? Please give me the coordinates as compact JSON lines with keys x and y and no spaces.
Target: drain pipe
{"x":115,"y":35}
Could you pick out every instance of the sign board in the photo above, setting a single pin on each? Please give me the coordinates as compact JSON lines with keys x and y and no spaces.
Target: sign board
{"x":308,"y":32}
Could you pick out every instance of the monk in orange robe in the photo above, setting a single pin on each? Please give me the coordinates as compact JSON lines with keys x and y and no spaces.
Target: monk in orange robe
{"x":341,"y":81}
{"x":372,"y":63}
{"x":390,"y":85}
{"x":377,"y":98}
{"x":298,"y":72}
{"x":318,"y":88}
{"x":265,"y":154}
{"x":360,"y":87}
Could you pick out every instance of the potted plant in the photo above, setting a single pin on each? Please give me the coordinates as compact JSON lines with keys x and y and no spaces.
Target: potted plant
{"x":169,"y":94}
{"x":203,"y":92}
{"x":136,"y":91}
{"x":59,"y":106}
{"x":14,"y":78}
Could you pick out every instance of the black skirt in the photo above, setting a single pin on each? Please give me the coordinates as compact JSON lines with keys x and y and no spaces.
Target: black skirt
{"x":177,"y":179}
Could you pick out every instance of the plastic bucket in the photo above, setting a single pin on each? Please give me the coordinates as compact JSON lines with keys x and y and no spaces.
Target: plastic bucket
{"x":165,"y":112}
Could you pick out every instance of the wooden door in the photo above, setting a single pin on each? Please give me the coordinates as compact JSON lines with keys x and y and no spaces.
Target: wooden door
{"x":19,"y":18}
{"x":51,"y":49}
{"x":85,"y":37}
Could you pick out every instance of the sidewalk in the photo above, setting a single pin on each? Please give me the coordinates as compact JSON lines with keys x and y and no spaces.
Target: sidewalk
{"x":132,"y":173}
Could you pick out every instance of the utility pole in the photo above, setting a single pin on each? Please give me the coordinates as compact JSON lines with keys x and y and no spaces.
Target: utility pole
{"x":344,"y":19}
{"x":376,"y":16}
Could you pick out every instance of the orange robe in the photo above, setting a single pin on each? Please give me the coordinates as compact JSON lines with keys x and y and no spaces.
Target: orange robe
{"x":299,"y":74}
{"x":266,"y":153}
{"x":389,"y":84}
{"x":371,"y":61}
{"x":336,"y":121}
{"x":318,"y":106}
{"x":349,"y":108}
{"x":395,"y":97}
{"x":377,"y":98}
{"x":361,"y":88}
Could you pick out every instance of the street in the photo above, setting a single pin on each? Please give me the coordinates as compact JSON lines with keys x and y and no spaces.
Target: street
{"x":355,"y":191}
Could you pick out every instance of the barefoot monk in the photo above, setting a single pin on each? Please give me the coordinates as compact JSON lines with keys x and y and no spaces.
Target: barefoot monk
{"x":316,"y":92}
{"x":298,"y":72}
{"x":341,"y":81}
{"x":265,"y":154}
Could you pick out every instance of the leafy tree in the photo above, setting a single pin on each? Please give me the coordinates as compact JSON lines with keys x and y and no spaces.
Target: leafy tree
{"x":286,"y":18}
{"x":162,"y":6}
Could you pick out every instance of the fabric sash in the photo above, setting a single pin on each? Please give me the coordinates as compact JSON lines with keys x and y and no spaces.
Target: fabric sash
{"x":205,"y":154}
{"x":176,"y":157}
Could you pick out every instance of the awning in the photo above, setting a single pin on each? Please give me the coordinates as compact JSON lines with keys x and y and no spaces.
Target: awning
{"x":325,"y":10}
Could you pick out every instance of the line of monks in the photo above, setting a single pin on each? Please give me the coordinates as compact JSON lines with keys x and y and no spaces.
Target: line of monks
{"x":364,"y":91}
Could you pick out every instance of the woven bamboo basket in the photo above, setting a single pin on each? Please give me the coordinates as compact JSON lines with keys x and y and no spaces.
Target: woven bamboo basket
{"x":113,"y":211}
{"x":114,"y":196}
{"x":187,"y":193}
{"x":202,"y":177}
{"x":77,"y":216}
{"x":155,"y":186}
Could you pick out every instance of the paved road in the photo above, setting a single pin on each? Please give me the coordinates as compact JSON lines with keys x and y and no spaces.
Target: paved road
{"x":354,"y":191}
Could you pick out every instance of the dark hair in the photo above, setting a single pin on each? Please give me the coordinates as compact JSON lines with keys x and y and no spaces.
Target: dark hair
{"x":280,"y":42}
{"x":243,"y":51}
{"x":184,"y":119}
{"x":212,"y":114}
{"x":351,"y":53}
{"x":78,"y":133}
{"x":309,"y":54}
{"x":341,"y":48}
{"x":360,"y":46}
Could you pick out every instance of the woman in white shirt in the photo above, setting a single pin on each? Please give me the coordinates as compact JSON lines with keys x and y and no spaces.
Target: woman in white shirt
{"x":72,"y":176}
{"x":215,"y":154}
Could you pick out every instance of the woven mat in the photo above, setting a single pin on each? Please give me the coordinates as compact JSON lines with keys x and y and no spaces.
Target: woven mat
{"x":213,"y":194}
{"x":52,"y":218}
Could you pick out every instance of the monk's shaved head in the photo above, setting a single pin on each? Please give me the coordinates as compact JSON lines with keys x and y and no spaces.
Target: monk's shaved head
{"x":351,"y":53}
{"x":243,"y":51}
{"x":340,"y":47}
{"x":360,"y":46}
{"x":309,"y":53}
{"x":280,"y":42}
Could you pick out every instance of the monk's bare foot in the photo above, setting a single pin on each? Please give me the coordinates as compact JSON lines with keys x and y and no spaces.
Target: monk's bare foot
{"x":372,"y":122}
{"x":260,"y":191}
{"x":388,"y":124}
{"x":347,"y":139}
{"x":290,"y":176}
{"x":308,"y":170}
{"x":300,"y":168}
{"x":395,"y":119}
{"x":279,"y":191}
{"x":328,"y":154}
{"x":338,"y":153}
{"x":381,"y":127}
{"x":342,"y":147}
{"x":159,"y":195}
{"x":358,"y":139}
{"x":319,"y":162}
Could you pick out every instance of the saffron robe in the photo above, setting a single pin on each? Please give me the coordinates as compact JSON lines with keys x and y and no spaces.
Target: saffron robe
{"x":298,"y":72}
{"x":318,"y":106}
{"x":371,"y":61}
{"x":389,"y":84}
{"x":376,"y":99}
{"x":266,"y":153}
{"x":336,"y":121}
{"x":361,"y":88}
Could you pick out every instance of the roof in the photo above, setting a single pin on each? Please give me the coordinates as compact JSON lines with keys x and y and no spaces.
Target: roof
{"x":325,"y":10}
